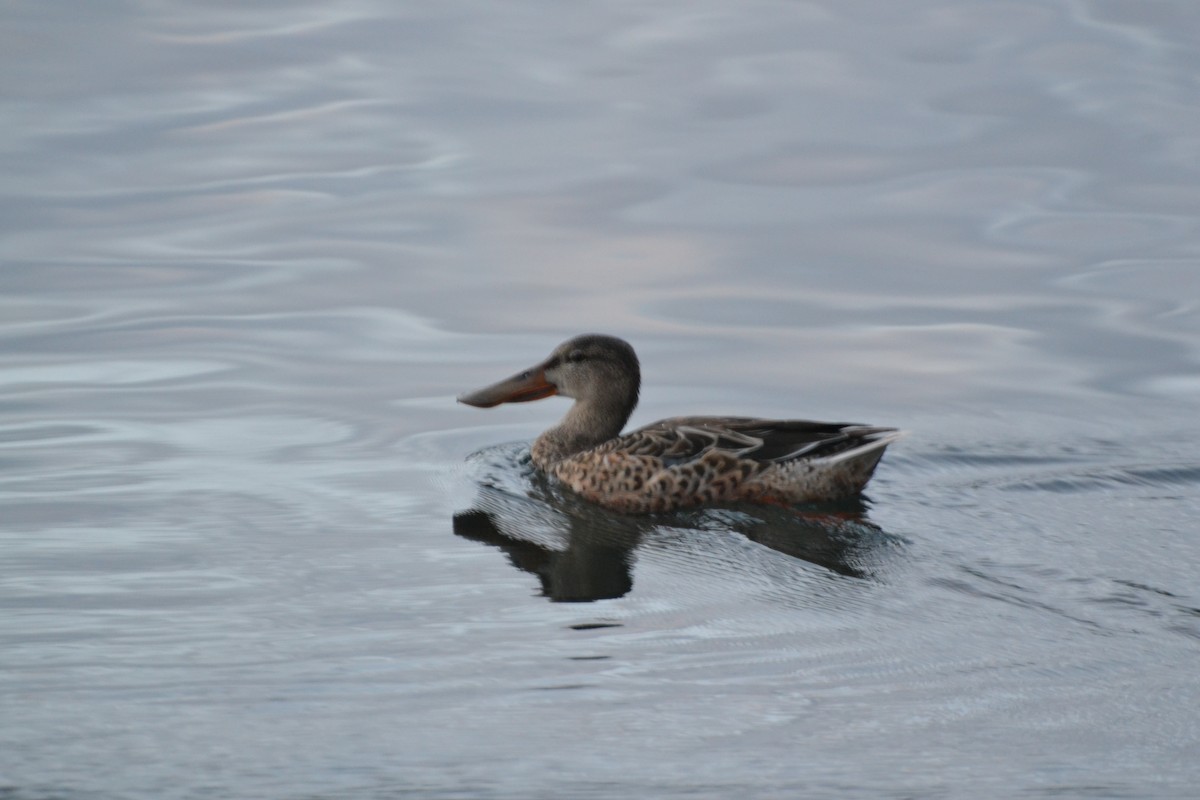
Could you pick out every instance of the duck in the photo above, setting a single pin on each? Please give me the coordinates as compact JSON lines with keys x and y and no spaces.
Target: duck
{"x":681,"y":462}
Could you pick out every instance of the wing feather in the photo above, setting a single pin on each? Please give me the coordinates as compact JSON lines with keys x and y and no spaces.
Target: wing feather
{"x":684,"y":439}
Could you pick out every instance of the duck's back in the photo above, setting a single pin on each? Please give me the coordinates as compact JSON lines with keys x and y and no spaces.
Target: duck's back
{"x":689,"y":461}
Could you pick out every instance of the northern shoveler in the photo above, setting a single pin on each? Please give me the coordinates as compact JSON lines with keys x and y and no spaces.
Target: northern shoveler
{"x":683,"y":461}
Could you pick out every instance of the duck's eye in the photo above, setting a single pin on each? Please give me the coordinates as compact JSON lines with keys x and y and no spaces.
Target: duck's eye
{"x":575,"y":356}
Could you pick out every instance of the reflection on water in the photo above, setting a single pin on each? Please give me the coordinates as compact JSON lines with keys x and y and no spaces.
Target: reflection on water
{"x":581,"y":552}
{"x":596,"y":563}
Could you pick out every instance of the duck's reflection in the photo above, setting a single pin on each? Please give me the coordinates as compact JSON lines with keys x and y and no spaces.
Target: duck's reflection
{"x":581,"y":552}
{"x":589,"y":568}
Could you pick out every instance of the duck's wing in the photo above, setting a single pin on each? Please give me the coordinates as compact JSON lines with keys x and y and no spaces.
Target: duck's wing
{"x":683,"y":439}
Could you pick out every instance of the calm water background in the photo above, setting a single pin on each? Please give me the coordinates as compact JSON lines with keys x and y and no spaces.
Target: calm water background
{"x":251,"y":251}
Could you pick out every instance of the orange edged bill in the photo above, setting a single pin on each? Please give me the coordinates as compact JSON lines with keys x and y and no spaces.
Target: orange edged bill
{"x":520,"y":388}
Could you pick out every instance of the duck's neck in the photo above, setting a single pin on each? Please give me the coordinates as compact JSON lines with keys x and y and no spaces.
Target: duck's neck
{"x":589,"y":423}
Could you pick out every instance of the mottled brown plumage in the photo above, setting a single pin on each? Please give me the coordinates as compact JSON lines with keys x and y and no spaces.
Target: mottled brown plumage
{"x":684,"y":461}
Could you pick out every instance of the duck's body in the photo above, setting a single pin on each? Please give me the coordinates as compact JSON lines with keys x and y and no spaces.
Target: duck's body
{"x":683,"y":461}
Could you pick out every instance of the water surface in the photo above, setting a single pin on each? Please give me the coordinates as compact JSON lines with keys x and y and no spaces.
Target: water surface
{"x":252,"y":548}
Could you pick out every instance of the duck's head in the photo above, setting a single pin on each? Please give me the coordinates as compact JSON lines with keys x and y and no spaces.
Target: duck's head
{"x":594,"y":369}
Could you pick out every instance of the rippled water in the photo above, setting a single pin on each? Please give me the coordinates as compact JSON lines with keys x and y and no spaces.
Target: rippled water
{"x":252,"y":548}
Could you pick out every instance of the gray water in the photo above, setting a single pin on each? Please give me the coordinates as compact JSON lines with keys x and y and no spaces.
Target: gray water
{"x":251,"y":548}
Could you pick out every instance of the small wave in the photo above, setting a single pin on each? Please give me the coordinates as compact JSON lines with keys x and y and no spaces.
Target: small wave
{"x":1100,"y":480}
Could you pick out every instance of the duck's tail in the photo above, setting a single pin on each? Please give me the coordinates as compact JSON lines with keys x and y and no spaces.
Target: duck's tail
{"x":872,"y":441}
